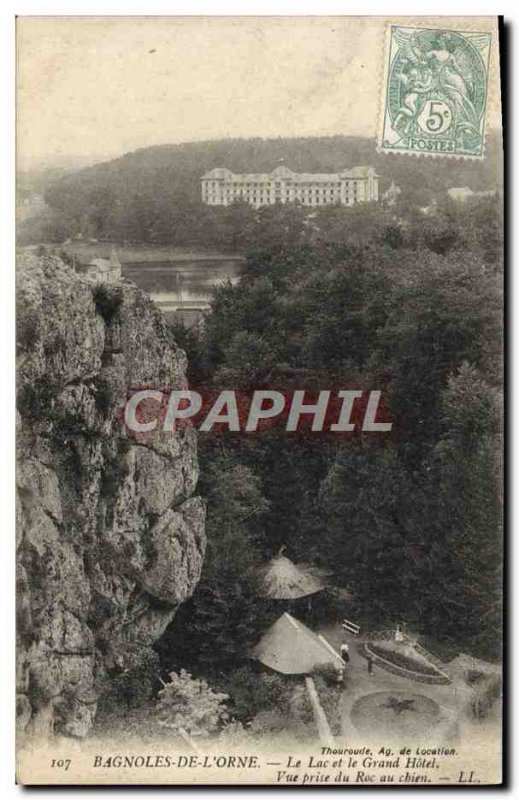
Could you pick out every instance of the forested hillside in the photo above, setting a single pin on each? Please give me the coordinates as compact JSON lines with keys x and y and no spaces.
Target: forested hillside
{"x":408,"y":524}
{"x":153,"y":194}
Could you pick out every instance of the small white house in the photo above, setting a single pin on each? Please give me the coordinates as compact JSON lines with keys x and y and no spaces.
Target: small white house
{"x":107,"y":270}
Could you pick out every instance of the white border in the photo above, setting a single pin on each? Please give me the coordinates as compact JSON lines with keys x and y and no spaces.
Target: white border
{"x":8,"y":11}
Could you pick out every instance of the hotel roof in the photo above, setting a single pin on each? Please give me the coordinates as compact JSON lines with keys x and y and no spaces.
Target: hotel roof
{"x":222,"y":173}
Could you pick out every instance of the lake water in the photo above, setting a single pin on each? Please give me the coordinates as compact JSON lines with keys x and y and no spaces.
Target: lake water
{"x":183,"y":287}
{"x":180,"y":280}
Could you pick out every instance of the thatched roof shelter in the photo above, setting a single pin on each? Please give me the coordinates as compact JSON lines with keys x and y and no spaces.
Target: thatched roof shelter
{"x":290,"y":647}
{"x":281,"y":579}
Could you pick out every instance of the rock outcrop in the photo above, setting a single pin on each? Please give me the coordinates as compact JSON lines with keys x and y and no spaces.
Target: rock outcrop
{"x":110,"y":537}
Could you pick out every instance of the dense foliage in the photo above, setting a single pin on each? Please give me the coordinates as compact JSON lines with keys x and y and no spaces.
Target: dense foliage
{"x":186,"y":704}
{"x":410,"y":522}
{"x":408,"y":525}
{"x":153,"y":194}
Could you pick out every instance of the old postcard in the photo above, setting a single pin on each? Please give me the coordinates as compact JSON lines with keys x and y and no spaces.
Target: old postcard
{"x":259,"y":393}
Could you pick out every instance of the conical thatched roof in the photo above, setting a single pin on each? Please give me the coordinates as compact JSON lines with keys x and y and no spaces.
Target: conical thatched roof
{"x":290,"y":647}
{"x":281,"y":579}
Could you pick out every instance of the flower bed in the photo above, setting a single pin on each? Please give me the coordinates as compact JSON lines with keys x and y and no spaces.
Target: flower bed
{"x":401,"y":660}
{"x":402,"y":665}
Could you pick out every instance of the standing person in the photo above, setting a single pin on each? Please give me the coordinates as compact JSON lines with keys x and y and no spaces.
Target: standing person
{"x":370,"y":665}
{"x":345,"y":652}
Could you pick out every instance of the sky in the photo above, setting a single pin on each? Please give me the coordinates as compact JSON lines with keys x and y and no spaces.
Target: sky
{"x":92,"y":88}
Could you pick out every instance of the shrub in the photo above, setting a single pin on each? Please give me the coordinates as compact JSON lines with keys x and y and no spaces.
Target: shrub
{"x":401,"y":660}
{"x":103,"y":396}
{"x":27,"y":333}
{"x":190,"y":704}
{"x":330,"y":698}
{"x":135,"y":685}
{"x":112,"y":477}
{"x":235,"y":735}
{"x":269,"y":722}
{"x":36,"y":400}
{"x":108,"y":301}
{"x":393,"y":236}
{"x":485,"y":697}
{"x":66,"y":258}
{"x":328,"y":674}
{"x":251,"y":692}
{"x":293,"y":716}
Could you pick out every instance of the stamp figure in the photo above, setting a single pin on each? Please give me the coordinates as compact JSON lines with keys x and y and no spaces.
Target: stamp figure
{"x":435,"y":92}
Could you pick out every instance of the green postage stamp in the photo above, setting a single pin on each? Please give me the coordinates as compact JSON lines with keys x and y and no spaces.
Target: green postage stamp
{"x":435,"y":92}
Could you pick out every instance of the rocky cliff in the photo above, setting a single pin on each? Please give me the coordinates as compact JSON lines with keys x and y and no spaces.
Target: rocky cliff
{"x":110,"y":537}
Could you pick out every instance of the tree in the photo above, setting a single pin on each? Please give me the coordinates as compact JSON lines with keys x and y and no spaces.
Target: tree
{"x":51,"y":226}
{"x":408,"y":522}
{"x":467,"y":482}
{"x":137,"y":218}
{"x":248,"y":307}
{"x":186,"y":704}
{"x":439,"y":234}
{"x":222,"y":620}
{"x":248,"y":359}
{"x":102,"y":204}
{"x":279,"y":225}
{"x":365,"y":502}
{"x":439,"y":313}
{"x":237,"y":225}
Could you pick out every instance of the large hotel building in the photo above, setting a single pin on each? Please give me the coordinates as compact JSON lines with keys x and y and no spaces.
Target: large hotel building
{"x":221,"y":187}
